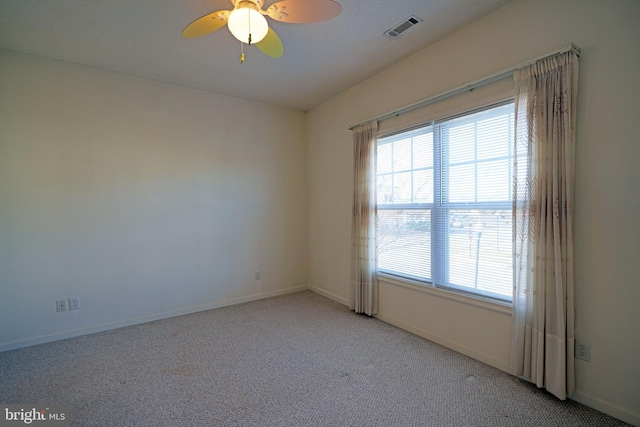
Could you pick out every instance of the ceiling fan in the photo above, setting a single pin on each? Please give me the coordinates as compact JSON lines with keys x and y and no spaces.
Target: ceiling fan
{"x":247,"y":21}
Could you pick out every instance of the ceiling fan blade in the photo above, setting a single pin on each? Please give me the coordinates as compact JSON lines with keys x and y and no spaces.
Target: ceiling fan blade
{"x":304,"y":11}
{"x":271,"y":45}
{"x":206,"y":25}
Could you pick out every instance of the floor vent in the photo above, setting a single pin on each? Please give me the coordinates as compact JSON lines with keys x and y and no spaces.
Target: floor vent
{"x":403,"y":26}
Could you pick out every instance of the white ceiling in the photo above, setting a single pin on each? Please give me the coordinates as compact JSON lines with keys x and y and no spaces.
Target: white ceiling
{"x":143,"y":38}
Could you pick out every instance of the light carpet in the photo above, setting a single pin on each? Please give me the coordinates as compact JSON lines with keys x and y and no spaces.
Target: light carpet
{"x":294,"y":360}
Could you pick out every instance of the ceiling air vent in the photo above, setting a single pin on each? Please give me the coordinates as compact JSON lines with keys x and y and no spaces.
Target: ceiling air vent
{"x":403,"y":26}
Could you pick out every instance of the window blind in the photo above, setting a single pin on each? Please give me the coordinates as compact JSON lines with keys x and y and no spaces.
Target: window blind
{"x":444,"y":202}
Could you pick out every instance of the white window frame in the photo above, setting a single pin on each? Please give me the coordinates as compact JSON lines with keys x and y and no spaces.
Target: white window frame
{"x":439,"y":209}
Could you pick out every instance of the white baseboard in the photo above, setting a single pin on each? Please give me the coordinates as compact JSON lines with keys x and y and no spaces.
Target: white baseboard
{"x":624,"y":414}
{"x":446,"y":343}
{"x":143,"y":319}
{"x":330,"y":295}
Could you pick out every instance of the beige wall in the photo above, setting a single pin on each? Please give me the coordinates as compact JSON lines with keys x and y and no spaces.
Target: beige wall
{"x":607,"y":231}
{"x":145,"y":200}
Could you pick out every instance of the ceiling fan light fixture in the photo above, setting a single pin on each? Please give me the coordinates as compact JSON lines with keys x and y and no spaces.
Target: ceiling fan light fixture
{"x":247,"y":20}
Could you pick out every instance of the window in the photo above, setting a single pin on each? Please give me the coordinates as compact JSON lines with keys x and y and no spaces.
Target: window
{"x":444,"y":203}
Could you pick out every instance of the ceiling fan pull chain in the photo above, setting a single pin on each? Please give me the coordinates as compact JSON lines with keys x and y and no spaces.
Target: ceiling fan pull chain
{"x":241,"y":53}
{"x":249,"y":26}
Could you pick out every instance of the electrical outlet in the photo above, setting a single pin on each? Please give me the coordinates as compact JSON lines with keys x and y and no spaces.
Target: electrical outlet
{"x":583,"y":351}
{"x":258,"y":275}
{"x":61,"y":305}
{"x":74,"y":303}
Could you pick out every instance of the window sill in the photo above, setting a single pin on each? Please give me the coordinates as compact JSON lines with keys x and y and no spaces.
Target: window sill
{"x":477,"y":301}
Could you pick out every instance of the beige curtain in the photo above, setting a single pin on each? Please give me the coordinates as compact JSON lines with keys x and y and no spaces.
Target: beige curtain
{"x":543,"y":300}
{"x":364,"y":281}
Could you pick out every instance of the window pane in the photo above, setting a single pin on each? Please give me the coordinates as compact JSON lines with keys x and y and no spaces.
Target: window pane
{"x":462,"y":183}
{"x":461,"y":143}
{"x":402,"y":187}
{"x":423,"y":186}
{"x":480,"y":256}
{"x":423,"y":151}
{"x":493,"y":137}
{"x":384,"y":158}
{"x":404,"y":242}
{"x":494,"y":183}
{"x":402,"y":155}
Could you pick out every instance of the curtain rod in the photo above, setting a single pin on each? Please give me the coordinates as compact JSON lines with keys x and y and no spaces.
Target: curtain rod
{"x":467,"y":87}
